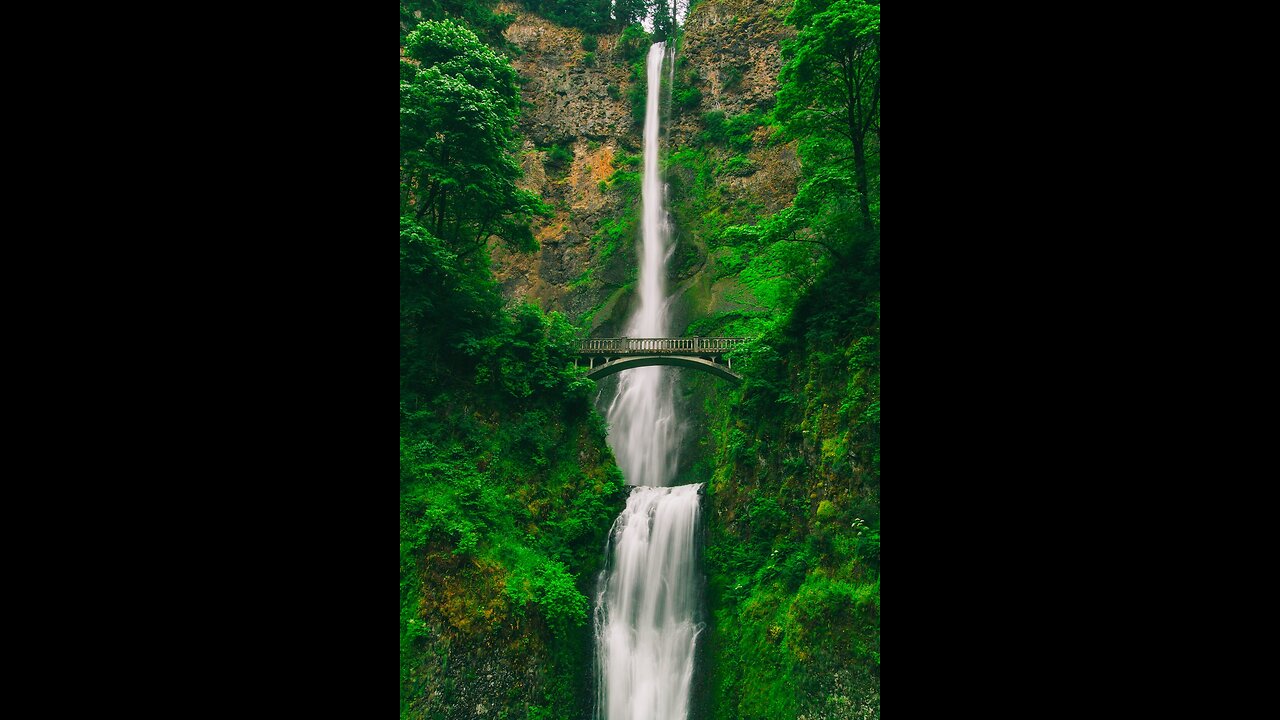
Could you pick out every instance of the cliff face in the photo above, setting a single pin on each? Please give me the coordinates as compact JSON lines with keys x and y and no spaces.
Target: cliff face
{"x":731,"y":54}
{"x":586,"y":266}
{"x":734,"y":45}
{"x":581,"y":109}
{"x":569,"y":99}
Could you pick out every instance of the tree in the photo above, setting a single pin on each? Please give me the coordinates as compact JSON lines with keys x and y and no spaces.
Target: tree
{"x":664,"y":22}
{"x":458,"y":109}
{"x":830,"y":80}
{"x":626,"y":12}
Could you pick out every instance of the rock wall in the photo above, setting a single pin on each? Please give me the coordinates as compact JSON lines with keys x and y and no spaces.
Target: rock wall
{"x":735,"y":46}
{"x":730,"y":51}
{"x":569,"y":103}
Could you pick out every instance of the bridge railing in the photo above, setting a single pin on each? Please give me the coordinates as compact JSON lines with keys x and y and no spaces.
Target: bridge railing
{"x":644,"y":346}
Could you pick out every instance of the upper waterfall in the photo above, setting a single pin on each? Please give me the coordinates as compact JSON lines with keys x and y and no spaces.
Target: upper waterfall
{"x":644,"y":431}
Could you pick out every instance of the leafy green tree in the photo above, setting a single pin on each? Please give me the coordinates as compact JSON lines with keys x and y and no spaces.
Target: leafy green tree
{"x":458,"y":111}
{"x":626,"y":12}
{"x":444,"y":304}
{"x":830,"y":80}
{"x":633,"y":42}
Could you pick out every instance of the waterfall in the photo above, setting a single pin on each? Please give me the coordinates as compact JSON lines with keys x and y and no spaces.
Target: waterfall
{"x":647,"y":601}
{"x":642,"y":423}
{"x":646,"y":611}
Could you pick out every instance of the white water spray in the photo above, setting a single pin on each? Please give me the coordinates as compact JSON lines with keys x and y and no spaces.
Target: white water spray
{"x":648,"y":603}
{"x":642,"y":423}
{"x":646,"y":611}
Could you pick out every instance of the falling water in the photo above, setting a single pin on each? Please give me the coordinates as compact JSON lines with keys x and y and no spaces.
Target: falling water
{"x":647,"y":607}
{"x":643,"y":429}
{"x":647,"y":603}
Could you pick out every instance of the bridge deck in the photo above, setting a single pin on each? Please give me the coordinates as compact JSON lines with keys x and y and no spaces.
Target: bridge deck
{"x":659,"y":346}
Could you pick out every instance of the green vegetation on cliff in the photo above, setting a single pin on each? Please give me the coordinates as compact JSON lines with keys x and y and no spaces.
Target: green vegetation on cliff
{"x":793,"y":554}
{"x":507,"y":487}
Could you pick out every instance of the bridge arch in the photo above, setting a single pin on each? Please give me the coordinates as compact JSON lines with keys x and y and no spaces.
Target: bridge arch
{"x":708,"y":354}
{"x":635,"y":361}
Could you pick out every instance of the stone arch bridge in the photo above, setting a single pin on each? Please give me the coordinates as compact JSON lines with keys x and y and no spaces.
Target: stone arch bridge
{"x":708,"y":354}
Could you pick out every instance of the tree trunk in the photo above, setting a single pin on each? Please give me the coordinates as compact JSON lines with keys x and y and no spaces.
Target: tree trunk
{"x":444,"y":196}
{"x":860,"y":172}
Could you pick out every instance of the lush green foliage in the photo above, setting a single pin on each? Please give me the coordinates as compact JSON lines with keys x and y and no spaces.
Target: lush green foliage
{"x":507,"y":487}
{"x":738,"y":165}
{"x":559,"y":157}
{"x":830,"y":87}
{"x":633,"y":42}
{"x":617,"y":233}
{"x":733,"y":132}
{"x":685,"y":98}
{"x":458,"y":109}
{"x":503,"y":462}
{"x":638,"y":94}
{"x":794,"y":564}
{"x":793,"y":454}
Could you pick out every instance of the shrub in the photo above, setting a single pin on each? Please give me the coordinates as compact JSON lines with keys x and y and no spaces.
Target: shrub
{"x":559,"y":157}
{"x":633,"y":41}
{"x":732,"y":78}
{"x":738,"y":166}
{"x":735,"y":132}
{"x":638,"y":95}
{"x":687,"y":98}
{"x":624,"y":158}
